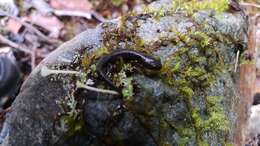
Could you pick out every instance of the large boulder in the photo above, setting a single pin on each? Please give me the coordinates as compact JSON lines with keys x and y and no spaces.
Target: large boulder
{"x":192,"y":100}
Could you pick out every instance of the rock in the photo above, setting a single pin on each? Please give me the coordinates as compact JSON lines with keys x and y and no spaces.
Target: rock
{"x":192,"y":100}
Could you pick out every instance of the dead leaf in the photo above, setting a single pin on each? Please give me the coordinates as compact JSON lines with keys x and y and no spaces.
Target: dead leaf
{"x":13,"y":26}
{"x":50,"y":23}
{"x":79,"y":5}
{"x":42,"y":6}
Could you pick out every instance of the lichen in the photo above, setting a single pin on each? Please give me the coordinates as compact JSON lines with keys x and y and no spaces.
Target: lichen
{"x":71,"y":120}
{"x":126,"y":82}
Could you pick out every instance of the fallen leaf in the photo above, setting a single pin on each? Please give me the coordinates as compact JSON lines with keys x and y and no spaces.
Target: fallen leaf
{"x":42,"y":6}
{"x":13,"y":26}
{"x":79,"y":5}
{"x":50,"y":23}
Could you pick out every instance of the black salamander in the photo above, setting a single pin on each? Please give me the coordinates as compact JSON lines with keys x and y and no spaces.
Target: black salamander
{"x":127,"y":55}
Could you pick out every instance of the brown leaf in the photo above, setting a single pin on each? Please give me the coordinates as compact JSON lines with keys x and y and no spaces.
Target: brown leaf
{"x":79,"y":5}
{"x":50,"y":23}
{"x":13,"y":26}
{"x":41,"y":6}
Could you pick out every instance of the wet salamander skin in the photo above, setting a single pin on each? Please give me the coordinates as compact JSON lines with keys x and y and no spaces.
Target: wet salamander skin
{"x":127,"y":55}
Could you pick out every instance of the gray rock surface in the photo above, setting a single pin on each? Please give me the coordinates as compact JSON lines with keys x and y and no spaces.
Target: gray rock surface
{"x":50,"y":110}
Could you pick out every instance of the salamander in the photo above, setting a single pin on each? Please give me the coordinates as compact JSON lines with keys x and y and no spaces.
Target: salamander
{"x":147,"y":61}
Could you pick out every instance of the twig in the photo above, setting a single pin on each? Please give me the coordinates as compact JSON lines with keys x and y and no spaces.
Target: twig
{"x":19,"y":47}
{"x":87,"y":15}
{"x":80,"y":85}
{"x":45,"y":71}
{"x":72,"y":13}
{"x":30,"y":27}
{"x":33,"y":57}
{"x":249,"y":4}
{"x":237,"y":57}
{"x":13,"y":44}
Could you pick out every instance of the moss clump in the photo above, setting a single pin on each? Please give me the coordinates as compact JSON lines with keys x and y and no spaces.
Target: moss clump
{"x":73,"y":125}
{"x":194,"y":5}
{"x":157,"y":14}
{"x":217,"y":120}
{"x":87,"y":59}
{"x":121,"y":79}
{"x":125,"y":35}
{"x":189,"y":7}
{"x":192,"y":69}
{"x":71,"y":120}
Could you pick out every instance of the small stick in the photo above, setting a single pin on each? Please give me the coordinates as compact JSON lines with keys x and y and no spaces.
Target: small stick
{"x":33,"y":57}
{"x":237,"y":57}
{"x":17,"y":46}
{"x":72,"y":13}
{"x":13,"y":44}
{"x":80,"y":85}
{"x":45,"y":71}
{"x":79,"y":14}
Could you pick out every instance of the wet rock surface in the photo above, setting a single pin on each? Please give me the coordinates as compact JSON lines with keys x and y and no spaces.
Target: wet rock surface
{"x":167,"y":107}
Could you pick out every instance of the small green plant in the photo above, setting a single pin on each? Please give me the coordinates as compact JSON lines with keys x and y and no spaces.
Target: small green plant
{"x":217,"y":120}
{"x":71,"y":120}
{"x":72,"y":106}
{"x":125,"y":82}
{"x":189,"y":7}
{"x":117,"y":2}
{"x":195,"y":5}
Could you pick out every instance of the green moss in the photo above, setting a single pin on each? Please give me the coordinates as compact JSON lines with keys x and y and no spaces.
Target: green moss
{"x":189,"y":7}
{"x":194,"y":5}
{"x":217,"y":120}
{"x":157,"y":14}
{"x":192,"y":69}
{"x":72,"y":117}
{"x":192,"y":76}
{"x":74,"y":125}
{"x":183,"y":141}
{"x":121,"y":79}
{"x":71,"y":121}
{"x":117,"y":2}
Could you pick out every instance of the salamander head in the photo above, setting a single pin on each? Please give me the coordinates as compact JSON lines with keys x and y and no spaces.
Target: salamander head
{"x":152,"y":63}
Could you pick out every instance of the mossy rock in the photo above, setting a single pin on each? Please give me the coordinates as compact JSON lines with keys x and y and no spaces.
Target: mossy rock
{"x":192,"y":100}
